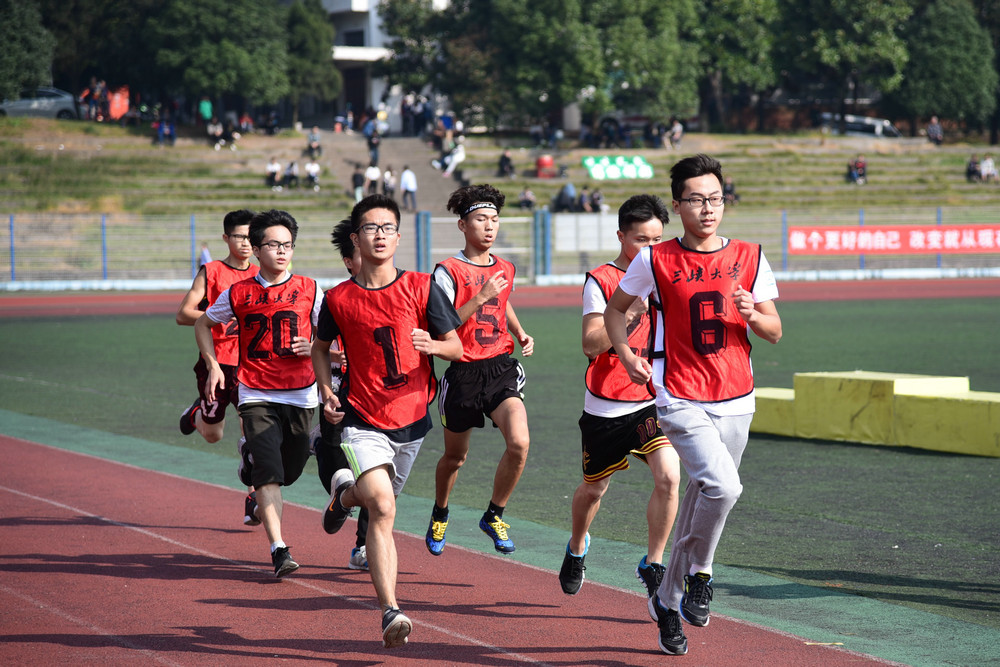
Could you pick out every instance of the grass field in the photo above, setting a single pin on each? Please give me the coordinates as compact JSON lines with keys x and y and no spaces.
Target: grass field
{"x":905,"y":526}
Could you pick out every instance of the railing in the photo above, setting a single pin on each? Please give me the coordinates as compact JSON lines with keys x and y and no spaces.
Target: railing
{"x":92,"y":251}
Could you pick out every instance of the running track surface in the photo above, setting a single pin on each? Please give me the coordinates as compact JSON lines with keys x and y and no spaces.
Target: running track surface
{"x":150,"y":569}
{"x":136,"y":303}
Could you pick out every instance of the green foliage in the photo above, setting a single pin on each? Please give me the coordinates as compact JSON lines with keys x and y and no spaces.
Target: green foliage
{"x":310,"y":64}
{"x":414,"y":43}
{"x":27,"y":50}
{"x":222,"y":46}
{"x":842,"y":40}
{"x":951,"y":71}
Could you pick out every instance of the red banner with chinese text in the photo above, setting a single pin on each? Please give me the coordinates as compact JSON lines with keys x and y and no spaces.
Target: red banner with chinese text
{"x":893,"y":239}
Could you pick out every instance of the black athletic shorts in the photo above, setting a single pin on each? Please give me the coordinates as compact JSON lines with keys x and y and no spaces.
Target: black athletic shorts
{"x":472,"y":390}
{"x":215,"y":412}
{"x":608,"y":441}
{"x":278,"y":438}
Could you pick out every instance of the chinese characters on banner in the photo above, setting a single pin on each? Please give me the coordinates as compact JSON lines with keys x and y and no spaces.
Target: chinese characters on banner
{"x":894,"y":240}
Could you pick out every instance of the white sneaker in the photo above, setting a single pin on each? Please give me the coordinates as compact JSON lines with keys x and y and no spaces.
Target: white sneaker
{"x":359,"y":559}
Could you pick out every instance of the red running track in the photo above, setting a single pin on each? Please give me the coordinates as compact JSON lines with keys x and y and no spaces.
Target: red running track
{"x":157,"y":303}
{"x":108,"y":563}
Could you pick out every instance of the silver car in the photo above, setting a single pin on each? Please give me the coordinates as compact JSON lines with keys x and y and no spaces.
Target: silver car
{"x":42,"y":102}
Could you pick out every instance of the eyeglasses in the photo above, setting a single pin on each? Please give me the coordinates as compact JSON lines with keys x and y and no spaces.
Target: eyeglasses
{"x":698,"y":202}
{"x":274,"y":245}
{"x":371,"y":228}
{"x":239,"y":238}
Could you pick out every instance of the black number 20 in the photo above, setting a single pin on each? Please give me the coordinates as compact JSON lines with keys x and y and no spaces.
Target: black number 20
{"x":280,"y":322}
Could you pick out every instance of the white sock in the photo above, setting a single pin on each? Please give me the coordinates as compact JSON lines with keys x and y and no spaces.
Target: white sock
{"x":276,"y":545}
{"x":695,"y":569}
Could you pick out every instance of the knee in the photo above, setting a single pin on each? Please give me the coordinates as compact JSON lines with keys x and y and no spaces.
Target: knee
{"x":517,"y":449}
{"x":381,"y":509}
{"x":454,"y":460}
{"x":667,"y":482}
{"x":591,"y":493}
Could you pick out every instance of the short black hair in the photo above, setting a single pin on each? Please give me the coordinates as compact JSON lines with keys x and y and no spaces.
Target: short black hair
{"x":692,"y":167}
{"x":234,"y":219}
{"x":264,"y":220}
{"x":341,"y":237}
{"x":641,"y":208}
{"x":466,"y":196}
{"x":372,"y":202}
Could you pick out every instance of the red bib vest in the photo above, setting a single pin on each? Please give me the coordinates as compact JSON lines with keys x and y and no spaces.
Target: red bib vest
{"x":606,"y":377}
{"x":707,"y":350}
{"x":219,"y":276}
{"x":389,"y":383}
{"x":269,"y":318}
{"x":484,"y":335}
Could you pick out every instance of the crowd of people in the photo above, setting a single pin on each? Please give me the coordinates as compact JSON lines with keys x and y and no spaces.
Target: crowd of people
{"x":361,"y":354}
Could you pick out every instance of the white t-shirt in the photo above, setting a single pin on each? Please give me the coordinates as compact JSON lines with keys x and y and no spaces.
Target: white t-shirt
{"x":308,"y":397}
{"x":638,"y":281}
{"x":594,"y":302}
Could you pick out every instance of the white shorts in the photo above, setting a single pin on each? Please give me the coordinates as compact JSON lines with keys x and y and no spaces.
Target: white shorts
{"x":366,"y":449}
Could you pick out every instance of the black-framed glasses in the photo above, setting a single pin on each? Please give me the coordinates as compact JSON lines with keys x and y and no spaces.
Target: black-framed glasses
{"x":274,"y":245}
{"x":698,"y":202}
{"x":240,"y":238}
{"x":370,"y":229}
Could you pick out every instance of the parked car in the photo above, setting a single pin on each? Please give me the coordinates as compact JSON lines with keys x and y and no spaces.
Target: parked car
{"x":859,"y":126}
{"x":42,"y":102}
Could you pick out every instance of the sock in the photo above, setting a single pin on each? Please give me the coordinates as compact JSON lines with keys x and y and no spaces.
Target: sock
{"x":439,"y":513}
{"x":704,"y":569}
{"x":276,"y":545}
{"x":494,"y":510}
{"x":586,"y":547}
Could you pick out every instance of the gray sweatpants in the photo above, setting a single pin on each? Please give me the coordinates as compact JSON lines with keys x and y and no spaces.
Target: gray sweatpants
{"x":710,"y":448}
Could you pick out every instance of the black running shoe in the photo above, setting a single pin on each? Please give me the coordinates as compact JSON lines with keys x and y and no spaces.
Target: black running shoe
{"x":650,"y":574}
{"x":395,"y":628}
{"x":250,"y":517}
{"x":336,"y":514}
{"x":697,"y":595}
{"x":571,"y":575}
{"x":672,"y":639}
{"x":245,"y":469}
{"x":283,"y":563}
{"x":187,"y":417}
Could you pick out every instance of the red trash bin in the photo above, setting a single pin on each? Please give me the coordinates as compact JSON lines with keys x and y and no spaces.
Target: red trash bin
{"x":545,"y":166}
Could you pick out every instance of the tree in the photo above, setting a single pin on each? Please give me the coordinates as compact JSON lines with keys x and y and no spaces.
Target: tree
{"x":988,"y":13}
{"x":951,"y":70}
{"x":736,"y":45}
{"x":216,"y":47}
{"x":415,"y":44}
{"x":26,"y":57}
{"x":648,"y":66}
{"x":310,"y":62}
{"x":844,"y":42}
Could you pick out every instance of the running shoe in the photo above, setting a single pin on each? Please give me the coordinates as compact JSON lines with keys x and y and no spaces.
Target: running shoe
{"x":497,"y":531}
{"x":250,"y":517}
{"x":672,"y":639}
{"x":571,"y":575}
{"x":359,"y":559}
{"x":187,"y":417}
{"x":336,"y":514}
{"x":435,"y":536}
{"x":283,"y":563}
{"x":650,"y":574}
{"x":697,"y":595}
{"x":395,"y":627}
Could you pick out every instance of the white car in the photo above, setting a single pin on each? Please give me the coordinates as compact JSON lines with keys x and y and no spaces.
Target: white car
{"x":42,"y":102}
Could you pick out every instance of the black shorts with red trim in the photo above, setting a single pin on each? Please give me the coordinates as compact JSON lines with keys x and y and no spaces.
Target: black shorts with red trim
{"x":213,"y":412}
{"x":472,"y":390}
{"x":608,"y":441}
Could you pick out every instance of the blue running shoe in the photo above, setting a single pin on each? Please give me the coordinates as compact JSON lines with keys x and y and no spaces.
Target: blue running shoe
{"x":435,"y":536}
{"x":497,"y":531}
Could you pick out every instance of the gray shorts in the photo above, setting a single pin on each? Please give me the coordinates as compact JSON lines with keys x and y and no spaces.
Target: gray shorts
{"x":366,"y":449}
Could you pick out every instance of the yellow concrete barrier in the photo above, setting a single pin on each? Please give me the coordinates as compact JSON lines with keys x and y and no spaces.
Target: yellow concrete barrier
{"x":925,"y":411}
